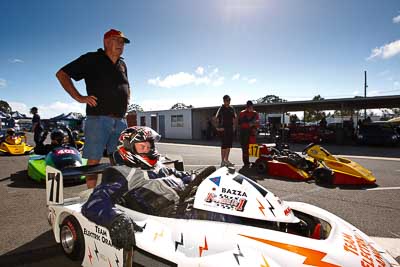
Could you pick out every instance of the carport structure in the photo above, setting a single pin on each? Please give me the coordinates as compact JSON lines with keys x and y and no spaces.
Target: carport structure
{"x":202,"y":115}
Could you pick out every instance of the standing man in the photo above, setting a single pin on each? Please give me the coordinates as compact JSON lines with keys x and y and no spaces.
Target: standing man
{"x":108,"y":93}
{"x":36,"y":125}
{"x":225,"y":122}
{"x":249,"y":122}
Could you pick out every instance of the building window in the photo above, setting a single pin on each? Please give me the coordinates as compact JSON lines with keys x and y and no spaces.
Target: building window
{"x":142,"y":121}
{"x":176,"y":120}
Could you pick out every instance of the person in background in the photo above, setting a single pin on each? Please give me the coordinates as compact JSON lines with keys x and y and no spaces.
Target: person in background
{"x":249,"y":121}
{"x":225,"y":122}
{"x":57,"y":137}
{"x":108,"y":92}
{"x":36,"y":125}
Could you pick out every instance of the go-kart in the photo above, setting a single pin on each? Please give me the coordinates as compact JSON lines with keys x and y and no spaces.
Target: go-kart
{"x":61,"y":158}
{"x":345,"y":171}
{"x":316,"y":163}
{"x":264,"y":230}
{"x":15,"y":145}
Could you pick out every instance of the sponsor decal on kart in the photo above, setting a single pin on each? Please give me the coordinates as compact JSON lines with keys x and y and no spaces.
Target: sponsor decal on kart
{"x":226,"y":201}
{"x":99,"y":234}
{"x":357,"y":246}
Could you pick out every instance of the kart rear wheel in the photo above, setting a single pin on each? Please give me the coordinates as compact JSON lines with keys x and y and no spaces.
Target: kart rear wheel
{"x":71,"y":239}
{"x":323,"y":176}
{"x":261,"y":167}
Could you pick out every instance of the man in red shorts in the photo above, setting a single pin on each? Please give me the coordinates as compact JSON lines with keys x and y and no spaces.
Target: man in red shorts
{"x":249,"y":122}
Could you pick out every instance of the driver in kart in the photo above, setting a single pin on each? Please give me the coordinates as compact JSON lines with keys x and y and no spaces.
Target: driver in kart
{"x":140,"y":181}
{"x":57,"y":137}
{"x":10,"y":134}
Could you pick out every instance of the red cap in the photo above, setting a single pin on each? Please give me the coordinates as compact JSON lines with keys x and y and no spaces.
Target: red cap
{"x":116,"y":33}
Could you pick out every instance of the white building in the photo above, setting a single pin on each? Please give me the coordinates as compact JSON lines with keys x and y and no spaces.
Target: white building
{"x":171,"y":124}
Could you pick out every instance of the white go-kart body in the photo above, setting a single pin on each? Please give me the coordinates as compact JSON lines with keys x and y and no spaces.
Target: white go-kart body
{"x":269,"y":232}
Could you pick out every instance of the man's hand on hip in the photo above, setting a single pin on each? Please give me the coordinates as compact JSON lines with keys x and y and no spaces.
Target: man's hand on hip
{"x":91,"y":100}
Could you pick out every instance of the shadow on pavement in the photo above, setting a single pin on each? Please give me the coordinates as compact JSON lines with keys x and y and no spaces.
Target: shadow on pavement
{"x":39,"y":248}
{"x":21,"y":179}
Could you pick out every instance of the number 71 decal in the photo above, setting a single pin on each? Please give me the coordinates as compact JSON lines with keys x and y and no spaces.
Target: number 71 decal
{"x":54,"y":186}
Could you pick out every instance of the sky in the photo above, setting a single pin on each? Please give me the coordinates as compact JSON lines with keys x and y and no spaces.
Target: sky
{"x":195,"y":52}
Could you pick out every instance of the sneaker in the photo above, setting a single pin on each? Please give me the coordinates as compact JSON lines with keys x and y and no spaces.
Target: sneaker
{"x":229,"y":164}
{"x":223,"y":164}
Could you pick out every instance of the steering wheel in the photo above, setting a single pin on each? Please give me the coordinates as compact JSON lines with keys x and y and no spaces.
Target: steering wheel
{"x":307,"y":148}
{"x":197,"y":181}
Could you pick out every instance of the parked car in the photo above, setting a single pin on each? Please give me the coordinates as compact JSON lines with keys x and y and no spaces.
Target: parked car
{"x":311,"y":134}
{"x":378,"y":133}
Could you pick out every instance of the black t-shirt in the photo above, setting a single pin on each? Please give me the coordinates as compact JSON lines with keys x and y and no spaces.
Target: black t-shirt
{"x":105,"y":80}
{"x":225,"y":116}
{"x":36,"y":119}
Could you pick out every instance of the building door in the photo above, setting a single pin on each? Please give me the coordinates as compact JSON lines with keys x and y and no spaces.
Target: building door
{"x":161,"y":122}
{"x":154,"y":123}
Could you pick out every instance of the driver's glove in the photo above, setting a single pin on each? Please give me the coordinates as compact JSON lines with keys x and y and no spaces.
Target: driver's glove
{"x":122,"y":232}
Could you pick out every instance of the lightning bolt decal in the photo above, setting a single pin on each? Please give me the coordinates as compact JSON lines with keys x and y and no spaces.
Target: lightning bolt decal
{"x":236,"y":255}
{"x":116,"y":260}
{"x":179,"y":243}
{"x":96,"y":251}
{"x":90,"y":255}
{"x":201,"y":249}
{"x":265,"y":262}
{"x":313,"y":257}
{"x":261,"y":207}
{"x":156,"y":235}
{"x":271,"y":208}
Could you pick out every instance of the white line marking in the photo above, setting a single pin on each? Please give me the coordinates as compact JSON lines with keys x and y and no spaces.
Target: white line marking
{"x":391,"y":245}
{"x":384,"y":188}
{"x":368,"y":157}
{"x":235,"y":148}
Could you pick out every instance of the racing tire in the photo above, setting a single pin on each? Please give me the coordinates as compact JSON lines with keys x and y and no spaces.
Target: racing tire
{"x":261,"y":167}
{"x":323,"y":176}
{"x":71,"y":239}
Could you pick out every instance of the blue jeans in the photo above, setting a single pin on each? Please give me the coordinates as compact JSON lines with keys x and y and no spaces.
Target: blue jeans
{"x":101,"y":132}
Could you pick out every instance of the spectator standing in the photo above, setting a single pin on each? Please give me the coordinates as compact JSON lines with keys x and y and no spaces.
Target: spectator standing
{"x":249,"y":121}
{"x":108,"y":92}
{"x":225,"y":122}
{"x":36,"y":125}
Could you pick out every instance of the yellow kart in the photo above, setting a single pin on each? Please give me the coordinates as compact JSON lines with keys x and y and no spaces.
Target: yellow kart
{"x":15,"y":145}
{"x":345,"y":171}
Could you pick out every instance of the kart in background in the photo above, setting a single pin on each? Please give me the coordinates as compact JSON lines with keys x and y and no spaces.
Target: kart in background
{"x":15,"y":145}
{"x":316,"y":163}
{"x":61,"y":158}
{"x":267,"y":231}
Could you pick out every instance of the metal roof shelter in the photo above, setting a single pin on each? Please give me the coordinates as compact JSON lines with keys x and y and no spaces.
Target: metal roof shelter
{"x":355,"y":103}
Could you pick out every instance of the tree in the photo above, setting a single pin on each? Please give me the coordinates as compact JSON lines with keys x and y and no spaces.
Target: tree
{"x":134,"y":107}
{"x":313,"y":114}
{"x":270,"y":99}
{"x":181,"y":106}
{"x":5,"y":107}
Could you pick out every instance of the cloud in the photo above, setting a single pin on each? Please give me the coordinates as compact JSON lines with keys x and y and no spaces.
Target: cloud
{"x":386,"y":51}
{"x":184,"y":78}
{"x":3,"y":83}
{"x":174,"y":80}
{"x":252,"y":81}
{"x":396,"y":19}
{"x":49,"y":111}
{"x":16,"y":60}
{"x":236,"y":77}
{"x":219,"y":81}
{"x":356,"y":93}
{"x":200,"y":70}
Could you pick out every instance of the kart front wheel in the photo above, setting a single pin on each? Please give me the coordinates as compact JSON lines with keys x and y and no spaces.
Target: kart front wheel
{"x":323,"y":176}
{"x":71,"y":239}
{"x":261,"y":167}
